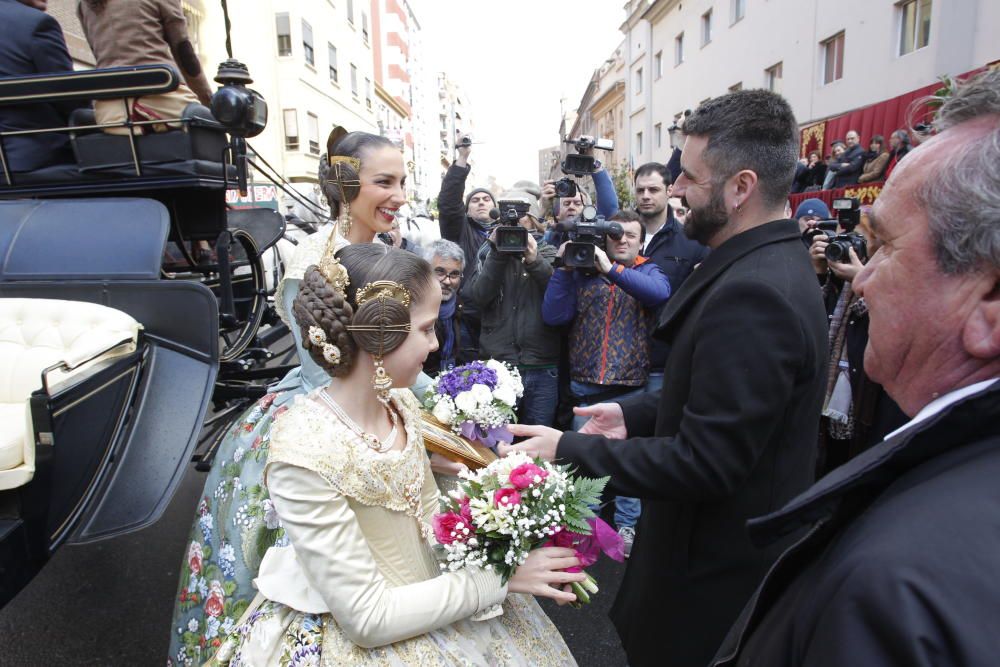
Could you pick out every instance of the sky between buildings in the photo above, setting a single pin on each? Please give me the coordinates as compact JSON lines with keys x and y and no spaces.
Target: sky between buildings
{"x":515,"y":60}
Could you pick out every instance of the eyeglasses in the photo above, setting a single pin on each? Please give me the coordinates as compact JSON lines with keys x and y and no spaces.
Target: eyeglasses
{"x":444,"y":275}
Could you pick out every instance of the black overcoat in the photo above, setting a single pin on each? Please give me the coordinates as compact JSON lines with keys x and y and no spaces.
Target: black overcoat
{"x":731,"y":436}
{"x":899,"y":566}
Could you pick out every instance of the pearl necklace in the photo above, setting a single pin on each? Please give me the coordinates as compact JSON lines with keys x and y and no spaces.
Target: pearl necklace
{"x":370,"y":439}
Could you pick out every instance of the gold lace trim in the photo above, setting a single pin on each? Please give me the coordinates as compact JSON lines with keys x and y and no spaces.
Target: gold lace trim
{"x":308,"y":435}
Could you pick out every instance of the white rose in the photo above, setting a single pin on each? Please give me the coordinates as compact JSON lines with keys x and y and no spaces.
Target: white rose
{"x":482,"y":393}
{"x":505,"y":394}
{"x":466,"y":401}
{"x":443,"y":412}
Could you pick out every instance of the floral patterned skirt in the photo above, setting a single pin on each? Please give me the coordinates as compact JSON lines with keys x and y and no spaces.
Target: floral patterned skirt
{"x":234,"y":526}
{"x":275,"y":634}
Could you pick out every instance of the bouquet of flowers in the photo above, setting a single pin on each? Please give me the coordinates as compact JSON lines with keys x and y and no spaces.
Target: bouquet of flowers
{"x":499,"y":513}
{"x":477,"y":400}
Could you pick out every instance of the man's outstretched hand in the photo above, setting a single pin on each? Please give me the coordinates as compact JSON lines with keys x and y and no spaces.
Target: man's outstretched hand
{"x":606,"y":419}
{"x":542,"y":441}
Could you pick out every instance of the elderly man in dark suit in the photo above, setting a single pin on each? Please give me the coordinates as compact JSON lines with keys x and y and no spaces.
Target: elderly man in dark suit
{"x":33,"y":43}
{"x":732,"y":434}
{"x":899,"y":566}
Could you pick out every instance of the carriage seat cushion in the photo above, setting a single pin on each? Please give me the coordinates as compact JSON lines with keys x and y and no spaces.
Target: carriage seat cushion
{"x":200,"y":138}
{"x":36,"y":334}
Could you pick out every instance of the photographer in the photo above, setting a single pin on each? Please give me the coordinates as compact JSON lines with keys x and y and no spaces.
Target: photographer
{"x":857,"y":413}
{"x":609,"y":341}
{"x":466,"y":222}
{"x":508,"y":293}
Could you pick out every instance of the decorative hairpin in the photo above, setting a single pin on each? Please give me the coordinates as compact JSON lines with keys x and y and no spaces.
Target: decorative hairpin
{"x":353,"y":161}
{"x":382,"y":289}
{"x":330,"y":351}
{"x":332,"y":269}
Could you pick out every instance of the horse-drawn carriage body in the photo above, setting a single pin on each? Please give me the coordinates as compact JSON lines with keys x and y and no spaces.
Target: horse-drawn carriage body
{"x":111,"y":346}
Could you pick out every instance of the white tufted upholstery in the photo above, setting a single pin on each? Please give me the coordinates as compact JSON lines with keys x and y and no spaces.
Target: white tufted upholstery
{"x":34,"y":335}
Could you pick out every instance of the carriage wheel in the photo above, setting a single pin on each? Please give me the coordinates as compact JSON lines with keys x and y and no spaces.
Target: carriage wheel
{"x":249,"y":295}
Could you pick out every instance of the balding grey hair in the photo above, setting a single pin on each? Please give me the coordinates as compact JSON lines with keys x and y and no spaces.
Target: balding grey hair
{"x":444,"y":249}
{"x":962,"y":196}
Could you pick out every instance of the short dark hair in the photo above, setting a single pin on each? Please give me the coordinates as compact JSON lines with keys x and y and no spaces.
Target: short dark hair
{"x":625,"y":215}
{"x":653,"y":168}
{"x":878,"y":139}
{"x":750,"y":129}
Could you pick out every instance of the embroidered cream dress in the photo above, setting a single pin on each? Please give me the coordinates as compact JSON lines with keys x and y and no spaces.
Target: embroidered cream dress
{"x":359,"y":584}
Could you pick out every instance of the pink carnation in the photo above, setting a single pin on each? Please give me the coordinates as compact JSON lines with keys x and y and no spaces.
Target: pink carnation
{"x":507,"y":497}
{"x":465,"y":511}
{"x":449,"y":527}
{"x":524,"y":475}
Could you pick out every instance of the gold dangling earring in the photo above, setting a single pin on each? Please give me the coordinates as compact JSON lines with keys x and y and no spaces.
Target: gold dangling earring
{"x":345,"y":220}
{"x":381,"y":382}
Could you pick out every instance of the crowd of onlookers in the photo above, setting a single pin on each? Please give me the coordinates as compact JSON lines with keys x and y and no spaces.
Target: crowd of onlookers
{"x":848,"y":163}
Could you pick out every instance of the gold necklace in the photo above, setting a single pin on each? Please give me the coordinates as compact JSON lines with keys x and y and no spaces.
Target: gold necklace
{"x":370,"y":439}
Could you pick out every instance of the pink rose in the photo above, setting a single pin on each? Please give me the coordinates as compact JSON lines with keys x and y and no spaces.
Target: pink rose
{"x":507,"y":497}
{"x":464,"y":510}
{"x":448,"y":523}
{"x":524,"y":475}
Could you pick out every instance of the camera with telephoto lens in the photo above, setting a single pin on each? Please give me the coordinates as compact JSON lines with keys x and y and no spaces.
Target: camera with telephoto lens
{"x":511,"y":238}
{"x":585,"y":235}
{"x":577,"y":164}
{"x":848,"y":217}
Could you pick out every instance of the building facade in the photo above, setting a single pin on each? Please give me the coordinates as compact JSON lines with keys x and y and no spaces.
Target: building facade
{"x":826,"y":58}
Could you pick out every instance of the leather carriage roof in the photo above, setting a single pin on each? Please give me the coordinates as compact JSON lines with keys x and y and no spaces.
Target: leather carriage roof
{"x":82,"y":239}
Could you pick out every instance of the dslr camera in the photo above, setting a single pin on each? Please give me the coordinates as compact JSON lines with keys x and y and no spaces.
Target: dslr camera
{"x":848,"y":212}
{"x":586,"y":234}
{"x":511,"y":238}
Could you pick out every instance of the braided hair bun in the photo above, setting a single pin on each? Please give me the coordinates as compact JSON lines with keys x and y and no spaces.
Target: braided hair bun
{"x":319,"y":304}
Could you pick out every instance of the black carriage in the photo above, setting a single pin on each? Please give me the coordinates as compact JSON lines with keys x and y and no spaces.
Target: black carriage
{"x":114,"y":335}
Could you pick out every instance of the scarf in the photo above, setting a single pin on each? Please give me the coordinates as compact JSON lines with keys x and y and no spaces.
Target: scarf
{"x":839,"y":400}
{"x":446,"y":315}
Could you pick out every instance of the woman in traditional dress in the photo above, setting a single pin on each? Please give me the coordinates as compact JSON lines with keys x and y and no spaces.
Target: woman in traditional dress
{"x":358,"y":583}
{"x":362,"y":176}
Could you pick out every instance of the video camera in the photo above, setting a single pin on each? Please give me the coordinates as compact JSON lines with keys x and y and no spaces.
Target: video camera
{"x":511,"y":237}
{"x":577,"y":164}
{"x":586,"y":234}
{"x":848,"y":217}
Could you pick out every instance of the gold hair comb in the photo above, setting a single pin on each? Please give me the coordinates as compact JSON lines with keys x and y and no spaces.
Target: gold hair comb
{"x":382,"y":289}
{"x":353,"y":161}
{"x":332,"y":269}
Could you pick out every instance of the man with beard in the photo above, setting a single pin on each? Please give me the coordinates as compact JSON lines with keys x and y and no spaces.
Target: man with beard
{"x":732,"y":433}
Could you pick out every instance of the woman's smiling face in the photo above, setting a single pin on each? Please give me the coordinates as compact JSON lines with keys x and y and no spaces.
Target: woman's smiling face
{"x":382,"y":179}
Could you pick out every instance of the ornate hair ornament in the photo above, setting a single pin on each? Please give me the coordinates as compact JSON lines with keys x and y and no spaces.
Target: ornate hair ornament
{"x":330,"y":351}
{"x":380,"y":291}
{"x":332,"y":269}
{"x":383,"y":289}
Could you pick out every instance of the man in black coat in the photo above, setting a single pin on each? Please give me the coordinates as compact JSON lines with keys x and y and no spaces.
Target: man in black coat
{"x":33,"y":43}
{"x":465,"y":220}
{"x":734,"y":429}
{"x":849,"y":166}
{"x":900,"y":564}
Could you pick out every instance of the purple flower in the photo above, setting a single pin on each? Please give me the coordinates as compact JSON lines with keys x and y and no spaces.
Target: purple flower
{"x":461,"y":378}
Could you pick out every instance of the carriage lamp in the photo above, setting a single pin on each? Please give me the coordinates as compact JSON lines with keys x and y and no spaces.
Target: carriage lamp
{"x":242,"y":110}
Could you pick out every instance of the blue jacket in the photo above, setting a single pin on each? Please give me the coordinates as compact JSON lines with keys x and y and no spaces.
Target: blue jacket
{"x":33,"y":44}
{"x":611,"y":320}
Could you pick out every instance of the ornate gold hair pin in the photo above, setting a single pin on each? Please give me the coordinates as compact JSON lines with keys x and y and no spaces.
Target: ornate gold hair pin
{"x":383,"y":289}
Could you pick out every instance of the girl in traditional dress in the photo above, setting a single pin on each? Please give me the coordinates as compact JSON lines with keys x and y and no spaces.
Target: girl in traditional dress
{"x":362,"y":176}
{"x":349,"y":479}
